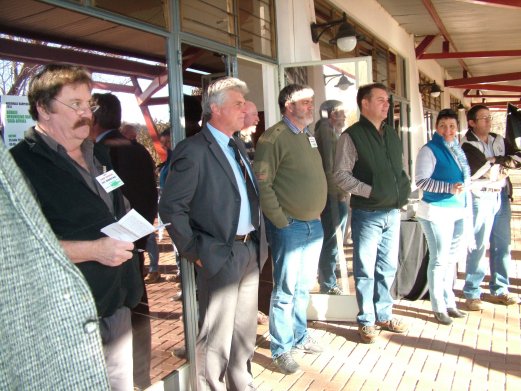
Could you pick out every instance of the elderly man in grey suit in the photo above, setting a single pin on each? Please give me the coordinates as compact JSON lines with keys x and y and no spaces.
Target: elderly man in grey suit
{"x":210,"y":199}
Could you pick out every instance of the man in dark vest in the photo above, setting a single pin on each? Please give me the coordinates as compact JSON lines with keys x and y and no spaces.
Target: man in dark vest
{"x":66,"y":172}
{"x":368,"y":164}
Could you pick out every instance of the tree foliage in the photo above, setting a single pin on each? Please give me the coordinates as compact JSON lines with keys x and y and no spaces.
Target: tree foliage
{"x":14,"y":77}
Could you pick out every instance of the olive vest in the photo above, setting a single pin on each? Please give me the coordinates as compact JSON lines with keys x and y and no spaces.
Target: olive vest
{"x":379,"y":165}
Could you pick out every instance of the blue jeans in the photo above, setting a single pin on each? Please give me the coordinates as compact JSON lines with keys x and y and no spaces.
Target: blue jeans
{"x":491,"y":222}
{"x":153,"y":253}
{"x":444,"y":240}
{"x":295,"y":250}
{"x":334,"y":216}
{"x":376,"y":240}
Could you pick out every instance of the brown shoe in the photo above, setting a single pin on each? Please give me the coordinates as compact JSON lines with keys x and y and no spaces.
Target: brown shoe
{"x":504,"y":298}
{"x":395,"y":325}
{"x":367,"y":333}
{"x":152,"y":278}
{"x":176,"y":277}
{"x":262,"y":318}
{"x":474,"y":304}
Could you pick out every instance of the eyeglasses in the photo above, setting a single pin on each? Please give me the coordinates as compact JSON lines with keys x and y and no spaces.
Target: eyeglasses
{"x":76,"y":106}
{"x":487,"y":118}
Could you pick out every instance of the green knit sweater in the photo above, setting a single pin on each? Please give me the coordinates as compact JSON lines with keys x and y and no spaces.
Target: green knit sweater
{"x":290,"y":175}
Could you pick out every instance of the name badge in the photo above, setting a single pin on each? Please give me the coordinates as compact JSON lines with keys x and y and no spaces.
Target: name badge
{"x":313,"y":142}
{"x":109,"y":181}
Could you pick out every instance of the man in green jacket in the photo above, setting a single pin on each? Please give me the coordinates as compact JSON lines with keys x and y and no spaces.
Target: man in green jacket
{"x":368,"y":164}
{"x":293,"y":193}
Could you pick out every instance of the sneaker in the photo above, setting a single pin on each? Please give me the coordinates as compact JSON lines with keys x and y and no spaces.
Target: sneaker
{"x":367,"y":333}
{"x":395,"y":325}
{"x":504,"y":298}
{"x":152,"y":278}
{"x":309,"y":346}
{"x":286,"y":363}
{"x":178,"y":296}
{"x":333,"y":291}
{"x":474,"y":304}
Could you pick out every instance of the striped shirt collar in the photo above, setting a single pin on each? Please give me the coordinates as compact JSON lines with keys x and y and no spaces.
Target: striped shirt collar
{"x":293,"y":127}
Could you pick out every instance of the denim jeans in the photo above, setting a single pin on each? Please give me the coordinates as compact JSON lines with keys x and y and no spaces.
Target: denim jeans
{"x":295,"y":250}
{"x":153,"y":253}
{"x":376,"y":237}
{"x":334,"y":216}
{"x":491,"y":222}
{"x":444,"y":241}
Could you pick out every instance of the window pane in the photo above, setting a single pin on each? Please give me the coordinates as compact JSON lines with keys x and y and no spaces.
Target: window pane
{"x":257,"y":27}
{"x":212,"y":19}
{"x":380,"y":62}
{"x":150,"y":11}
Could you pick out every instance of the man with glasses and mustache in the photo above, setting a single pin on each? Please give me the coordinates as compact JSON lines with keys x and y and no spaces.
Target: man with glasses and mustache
{"x":293,"y":192}
{"x":491,"y":209}
{"x":66,"y":172}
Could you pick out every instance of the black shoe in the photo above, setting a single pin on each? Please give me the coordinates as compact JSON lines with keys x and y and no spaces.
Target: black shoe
{"x":443,"y":318}
{"x":455,"y":313}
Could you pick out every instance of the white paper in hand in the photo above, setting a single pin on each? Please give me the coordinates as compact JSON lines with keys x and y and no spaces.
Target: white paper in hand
{"x":129,"y":228}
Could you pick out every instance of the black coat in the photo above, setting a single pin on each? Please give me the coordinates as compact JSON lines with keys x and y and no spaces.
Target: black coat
{"x":134,"y":165}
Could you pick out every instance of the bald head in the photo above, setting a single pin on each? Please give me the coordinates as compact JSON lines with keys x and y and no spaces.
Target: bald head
{"x":129,"y":131}
{"x":251,"y":117}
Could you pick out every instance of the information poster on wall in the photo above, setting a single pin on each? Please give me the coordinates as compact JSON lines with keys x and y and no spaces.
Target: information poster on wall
{"x":15,"y":118}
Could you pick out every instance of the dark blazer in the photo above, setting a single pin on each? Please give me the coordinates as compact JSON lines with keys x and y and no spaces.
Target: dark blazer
{"x":75,"y":212}
{"x":201,"y":200}
{"x":134,"y":165}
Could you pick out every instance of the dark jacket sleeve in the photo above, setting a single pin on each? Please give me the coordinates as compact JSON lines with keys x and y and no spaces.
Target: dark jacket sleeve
{"x":474,"y":156}
{"x":507,"y":161}
{"x":176,"y":199}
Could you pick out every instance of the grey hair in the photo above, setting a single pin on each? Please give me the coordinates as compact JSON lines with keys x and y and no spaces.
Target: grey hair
{"x":216,"y":93}
{"x":329,"y":106}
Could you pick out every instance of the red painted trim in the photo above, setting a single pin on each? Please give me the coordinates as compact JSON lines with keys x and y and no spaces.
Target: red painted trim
{"x":423,"y":45}
{"x":481,"y":54}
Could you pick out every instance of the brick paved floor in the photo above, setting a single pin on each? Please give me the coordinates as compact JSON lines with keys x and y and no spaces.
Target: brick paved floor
{"x":479,"y":352}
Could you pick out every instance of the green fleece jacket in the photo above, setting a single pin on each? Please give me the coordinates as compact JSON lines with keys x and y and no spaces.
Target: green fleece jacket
{"x":290,"y":175}
{"x":379,"y":165}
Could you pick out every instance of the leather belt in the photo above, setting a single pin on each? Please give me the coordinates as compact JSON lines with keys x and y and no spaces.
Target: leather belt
{"x":490,"y":190}
{"x":243,"y":238}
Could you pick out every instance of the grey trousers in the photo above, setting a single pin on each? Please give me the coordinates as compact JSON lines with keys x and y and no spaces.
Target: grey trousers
{"x":116,"y":336}
{"x":228,"y":322}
